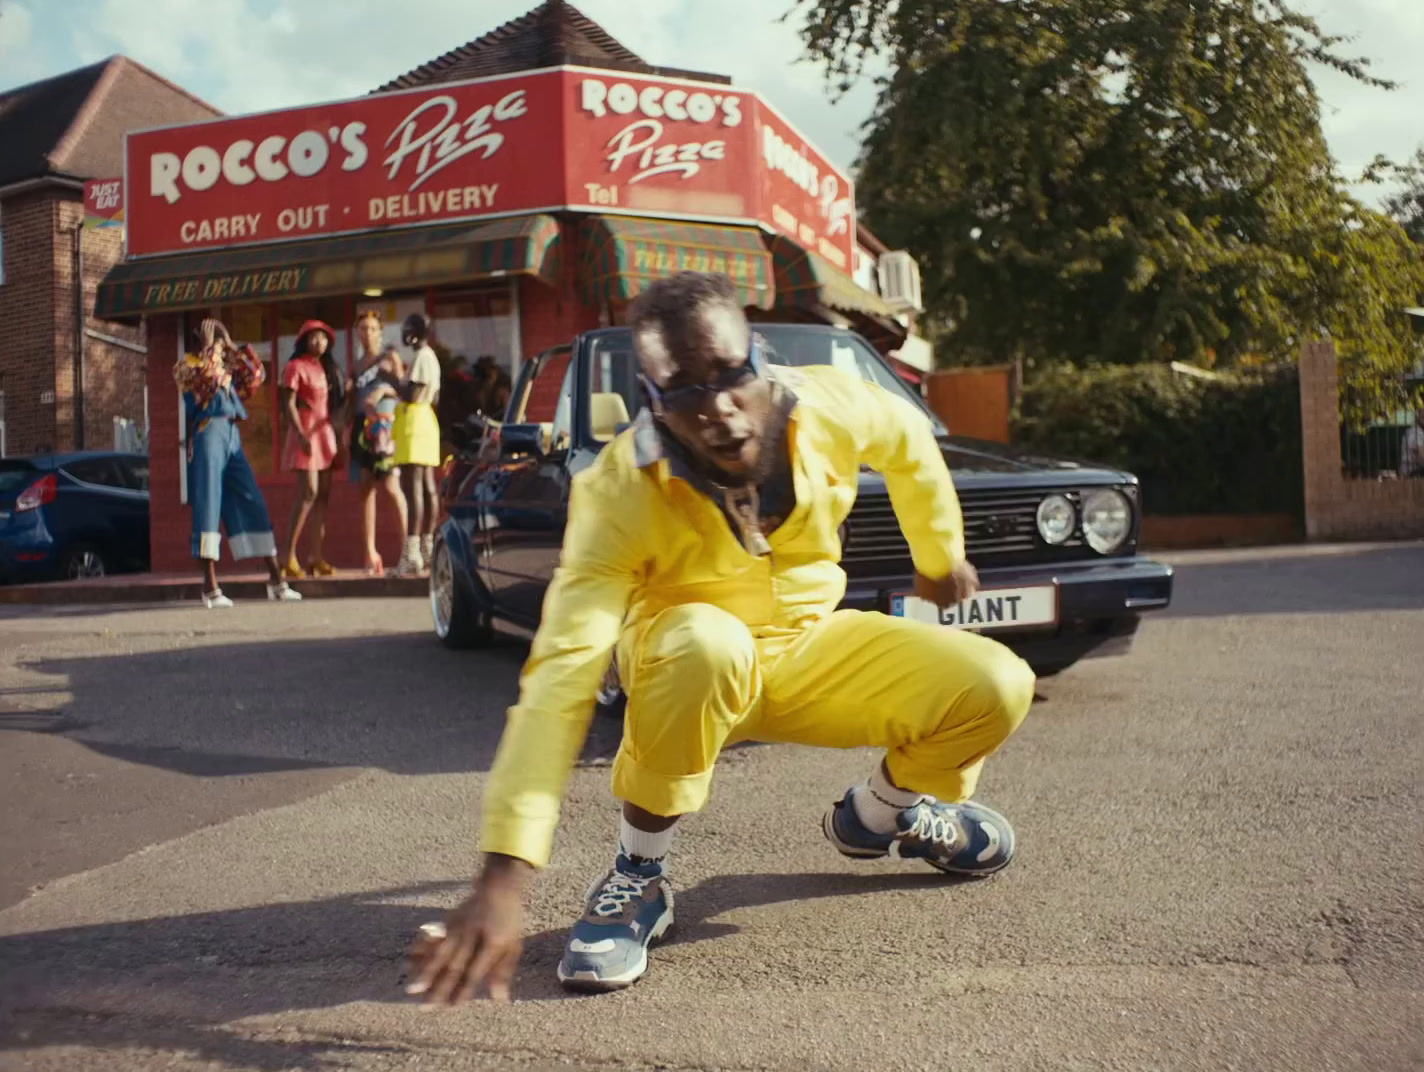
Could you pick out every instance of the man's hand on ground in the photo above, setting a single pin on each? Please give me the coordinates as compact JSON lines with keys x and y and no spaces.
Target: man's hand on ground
{"x":482,"y":939}
{"x":961,"y":583}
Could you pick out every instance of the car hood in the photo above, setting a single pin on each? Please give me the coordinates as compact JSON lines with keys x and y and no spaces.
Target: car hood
{"x":972,"y":457}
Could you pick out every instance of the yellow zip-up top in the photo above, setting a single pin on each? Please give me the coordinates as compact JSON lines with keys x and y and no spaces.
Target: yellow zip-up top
{"x":640,"y":539}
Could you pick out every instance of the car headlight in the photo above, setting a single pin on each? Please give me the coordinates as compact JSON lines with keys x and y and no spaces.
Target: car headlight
{"x":1107,"y":519}
{"x":1056,"y":519}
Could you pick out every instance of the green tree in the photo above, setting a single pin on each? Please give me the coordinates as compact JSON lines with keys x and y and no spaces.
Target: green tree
{"x":1102,"y":182}
{"x":1406,"y":204}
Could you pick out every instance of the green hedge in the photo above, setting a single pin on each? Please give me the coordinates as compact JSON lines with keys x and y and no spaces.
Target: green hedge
{"x":1226,"y":446}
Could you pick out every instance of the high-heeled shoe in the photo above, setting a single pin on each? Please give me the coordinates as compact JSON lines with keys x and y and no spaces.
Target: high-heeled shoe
{"x":292,"y":571}
{"x":320,"y":567}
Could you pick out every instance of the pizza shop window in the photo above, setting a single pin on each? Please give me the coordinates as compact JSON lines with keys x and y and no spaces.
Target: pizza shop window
{"x":469,"y":325}
{"x":251,"y":324}
{"x":333,"y":311}
{"x":392,"y":309}
{"x":474,"y":325}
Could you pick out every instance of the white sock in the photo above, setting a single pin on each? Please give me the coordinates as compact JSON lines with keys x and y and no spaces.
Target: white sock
{"x":647,"y":847}
{"x":878,"y":803}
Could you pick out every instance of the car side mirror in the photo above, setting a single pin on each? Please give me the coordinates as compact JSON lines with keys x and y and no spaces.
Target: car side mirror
{"x":467,"y":434}
{"x":521,"y":439}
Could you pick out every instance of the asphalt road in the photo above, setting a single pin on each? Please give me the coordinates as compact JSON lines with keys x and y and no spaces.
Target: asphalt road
{"x":220,"y":831}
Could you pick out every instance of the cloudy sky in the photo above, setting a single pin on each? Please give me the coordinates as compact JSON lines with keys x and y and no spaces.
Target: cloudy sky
{"x":253,"y":55}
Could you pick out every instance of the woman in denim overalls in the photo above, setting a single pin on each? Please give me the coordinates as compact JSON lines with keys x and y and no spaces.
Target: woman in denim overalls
{"x":221,"y":487}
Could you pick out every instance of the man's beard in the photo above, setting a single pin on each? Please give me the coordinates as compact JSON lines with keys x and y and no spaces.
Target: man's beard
{"x":770,"y":454}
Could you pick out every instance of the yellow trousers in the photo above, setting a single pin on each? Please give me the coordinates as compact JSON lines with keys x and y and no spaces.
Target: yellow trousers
{"x":939,"y":699}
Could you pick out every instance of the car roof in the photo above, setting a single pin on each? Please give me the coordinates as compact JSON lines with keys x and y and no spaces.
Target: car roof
{"x":822,"y":329}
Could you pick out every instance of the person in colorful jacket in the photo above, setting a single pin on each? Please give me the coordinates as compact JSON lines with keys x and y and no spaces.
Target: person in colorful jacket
{"x":222,"y":490}
{"x":702,"y":546}
{"x":373,"y":450}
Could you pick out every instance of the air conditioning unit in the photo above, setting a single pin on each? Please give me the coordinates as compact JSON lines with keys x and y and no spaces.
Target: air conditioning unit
{"x":900,"y":281}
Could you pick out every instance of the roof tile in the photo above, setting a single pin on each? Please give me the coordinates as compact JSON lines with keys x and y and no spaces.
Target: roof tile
{"x":554,"y":34}
{"x":73,"y":125}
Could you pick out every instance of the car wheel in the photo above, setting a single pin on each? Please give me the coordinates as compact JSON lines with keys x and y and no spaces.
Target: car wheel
{"x":84,"y":562}
{"x":611,"y":701}
{"x":459,"y":622}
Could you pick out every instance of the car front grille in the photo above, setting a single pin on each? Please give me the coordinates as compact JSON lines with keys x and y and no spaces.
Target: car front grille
{"x":1000,"y":527}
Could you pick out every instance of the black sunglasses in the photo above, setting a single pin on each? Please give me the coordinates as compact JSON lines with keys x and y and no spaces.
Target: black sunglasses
{"x":694,"y":396}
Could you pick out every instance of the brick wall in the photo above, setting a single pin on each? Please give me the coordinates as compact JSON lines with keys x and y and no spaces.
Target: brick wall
{"x":1336,"y":507}
{"x":169,"y":523}
{"x":113,"y":376}
{"x":27,"y":315}
{"x":38,"y":346}
{"x":550,"y":318}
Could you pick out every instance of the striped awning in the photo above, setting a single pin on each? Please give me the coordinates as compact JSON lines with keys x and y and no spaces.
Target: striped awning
{"x":389,"y":260}
{"x":623,"y":254}
{"x":805,"y":279}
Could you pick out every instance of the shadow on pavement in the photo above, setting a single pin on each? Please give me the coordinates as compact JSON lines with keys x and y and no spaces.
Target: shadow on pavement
{"x":173,"y":983}
{"x":400,"y":702}
{"x":396,"y":702}
{"x":1334,"y":583}
{"x":698,"y":906}
{"x":156,"y":744}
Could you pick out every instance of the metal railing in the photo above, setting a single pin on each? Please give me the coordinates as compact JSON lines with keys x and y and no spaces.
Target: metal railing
{"x":1382,"y":428}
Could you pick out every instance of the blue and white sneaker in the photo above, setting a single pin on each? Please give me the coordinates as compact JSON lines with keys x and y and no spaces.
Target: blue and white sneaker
{"x":627,"y":910}
{"x":964,"y":838}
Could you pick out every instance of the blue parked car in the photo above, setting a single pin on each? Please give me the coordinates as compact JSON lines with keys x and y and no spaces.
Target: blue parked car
{"x":67,"y":516}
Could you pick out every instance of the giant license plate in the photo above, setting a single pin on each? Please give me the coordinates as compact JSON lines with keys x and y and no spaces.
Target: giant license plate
{"x":988,"y":609}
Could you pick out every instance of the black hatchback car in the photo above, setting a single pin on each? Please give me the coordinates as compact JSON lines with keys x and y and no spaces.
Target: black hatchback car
{"x":1054,"y":541}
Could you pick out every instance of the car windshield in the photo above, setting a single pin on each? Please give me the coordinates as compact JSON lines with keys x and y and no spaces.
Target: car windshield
{"x":614,"y":383}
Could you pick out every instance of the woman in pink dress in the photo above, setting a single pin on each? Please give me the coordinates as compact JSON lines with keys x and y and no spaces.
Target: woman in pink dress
{"x":313,"y":388}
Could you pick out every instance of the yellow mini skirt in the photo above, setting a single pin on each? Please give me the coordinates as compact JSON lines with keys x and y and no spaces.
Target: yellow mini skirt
{"x":417,"y":434}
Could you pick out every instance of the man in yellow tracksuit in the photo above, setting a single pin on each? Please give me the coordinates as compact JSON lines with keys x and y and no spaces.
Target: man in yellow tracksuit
{"x":702,"y":546}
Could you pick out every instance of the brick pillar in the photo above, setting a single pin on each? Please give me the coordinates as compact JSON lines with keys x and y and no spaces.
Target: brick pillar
{"x":1320,"y":435}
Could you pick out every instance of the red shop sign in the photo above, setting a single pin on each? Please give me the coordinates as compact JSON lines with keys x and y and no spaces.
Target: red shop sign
{"x":461,"y":151}
{"x":585,"y":139}
{"x":802,"y":196}
{"x":659,"y":147}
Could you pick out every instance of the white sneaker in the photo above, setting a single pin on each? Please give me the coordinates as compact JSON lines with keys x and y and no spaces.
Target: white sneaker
{"x":427,"y":549}
{"x":410,"y":564}
{"x":215,"y":600}
{"x":282,"y":594}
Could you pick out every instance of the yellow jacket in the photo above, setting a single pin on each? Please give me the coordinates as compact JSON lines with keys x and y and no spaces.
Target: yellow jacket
{"x":639,"y":540}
